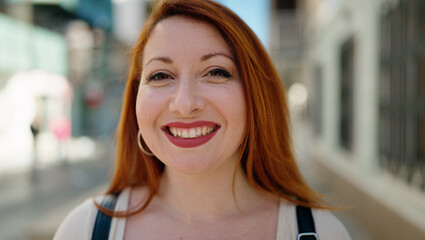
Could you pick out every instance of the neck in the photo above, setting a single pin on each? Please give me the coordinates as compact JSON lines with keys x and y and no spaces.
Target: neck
{"x":206,"y":197}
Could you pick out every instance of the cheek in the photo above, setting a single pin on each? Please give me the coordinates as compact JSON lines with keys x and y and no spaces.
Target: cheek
{"x":146,"y":110}
{"x":233,"y":106}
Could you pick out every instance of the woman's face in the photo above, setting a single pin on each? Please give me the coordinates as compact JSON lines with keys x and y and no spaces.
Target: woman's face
{"x":190,"y":105}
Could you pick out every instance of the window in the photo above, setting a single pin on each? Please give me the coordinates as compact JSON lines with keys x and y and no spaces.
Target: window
{"x":346,"y":94}
{"x":285,"y":4}
{"x":402,"y":91}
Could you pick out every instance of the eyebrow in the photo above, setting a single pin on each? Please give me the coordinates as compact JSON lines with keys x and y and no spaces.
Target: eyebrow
{"x":162,"y":59}
{"x":204,"y":58}
{"x":211,"y":55}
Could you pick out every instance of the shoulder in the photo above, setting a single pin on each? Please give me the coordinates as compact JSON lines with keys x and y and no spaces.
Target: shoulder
{"x":78,"y":223}
{"x":328,"y":226}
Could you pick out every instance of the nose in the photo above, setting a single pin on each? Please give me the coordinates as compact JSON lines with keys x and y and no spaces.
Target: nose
{"x":186,"y":100}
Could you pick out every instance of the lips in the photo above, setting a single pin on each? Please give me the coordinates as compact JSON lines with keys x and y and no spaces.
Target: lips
{"x":189,"y":135}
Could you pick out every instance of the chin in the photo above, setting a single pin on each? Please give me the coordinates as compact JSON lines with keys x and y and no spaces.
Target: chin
{"x":190,"y":165}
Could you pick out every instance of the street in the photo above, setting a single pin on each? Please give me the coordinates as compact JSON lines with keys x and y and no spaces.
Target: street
{"x":24,"y":201}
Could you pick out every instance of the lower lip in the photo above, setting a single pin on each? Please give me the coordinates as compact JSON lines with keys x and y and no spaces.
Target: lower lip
{"x":189,"y":142}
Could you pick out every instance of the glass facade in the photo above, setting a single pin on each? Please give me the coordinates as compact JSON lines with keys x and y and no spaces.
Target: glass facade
{"x":24,"y":47}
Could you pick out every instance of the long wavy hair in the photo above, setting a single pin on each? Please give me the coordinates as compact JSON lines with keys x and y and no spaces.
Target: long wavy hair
{"x":265,"y":154}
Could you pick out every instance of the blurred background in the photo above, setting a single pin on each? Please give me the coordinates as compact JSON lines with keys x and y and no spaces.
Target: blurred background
{"x":354,"y":73}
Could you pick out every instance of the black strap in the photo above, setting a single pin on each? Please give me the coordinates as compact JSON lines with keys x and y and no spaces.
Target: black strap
{"x":102,"y":224}
{"x":306,"y":229}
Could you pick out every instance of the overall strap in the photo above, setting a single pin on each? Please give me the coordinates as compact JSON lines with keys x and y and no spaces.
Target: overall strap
{"x":102,"y":224}
{"x":305,"y":221}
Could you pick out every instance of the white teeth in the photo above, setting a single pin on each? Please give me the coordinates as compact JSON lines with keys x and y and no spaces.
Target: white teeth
{"x":185,"y":134}
{"x":191,"y":132}
{"x":173,"y":131}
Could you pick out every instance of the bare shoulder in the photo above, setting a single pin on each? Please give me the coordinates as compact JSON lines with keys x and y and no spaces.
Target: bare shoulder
{"x":78,"y":223}
{"x":328,"y":226}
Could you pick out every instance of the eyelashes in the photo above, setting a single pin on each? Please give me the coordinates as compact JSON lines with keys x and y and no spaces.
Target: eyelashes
{"x":158,"y":76}
{"x":216,"y":73}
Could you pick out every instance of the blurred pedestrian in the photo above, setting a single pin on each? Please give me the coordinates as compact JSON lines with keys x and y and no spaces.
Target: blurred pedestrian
{"x":204,"y":147}
{"x":35,"y":130}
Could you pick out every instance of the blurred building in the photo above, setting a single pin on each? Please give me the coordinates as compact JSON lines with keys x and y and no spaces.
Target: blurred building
{"x":71,"y":40}
{"x":286,"y":39}
{"x":364,"y":68}
{"x":28,"y":97}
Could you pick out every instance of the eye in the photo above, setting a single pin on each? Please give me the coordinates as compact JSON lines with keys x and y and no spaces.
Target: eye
{"x":158,"y":76}
{"x":218,"y":72}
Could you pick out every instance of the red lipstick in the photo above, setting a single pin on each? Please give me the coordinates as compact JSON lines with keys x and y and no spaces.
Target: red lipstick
{"x":190,"y":142}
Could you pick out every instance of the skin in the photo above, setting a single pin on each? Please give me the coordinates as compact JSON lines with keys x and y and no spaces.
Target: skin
{"x":195,"y":199}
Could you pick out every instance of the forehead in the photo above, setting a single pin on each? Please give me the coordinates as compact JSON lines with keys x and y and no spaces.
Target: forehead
{"x":179,"y":34}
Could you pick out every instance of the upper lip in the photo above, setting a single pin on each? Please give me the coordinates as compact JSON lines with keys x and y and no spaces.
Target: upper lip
{"x":190,"y":124}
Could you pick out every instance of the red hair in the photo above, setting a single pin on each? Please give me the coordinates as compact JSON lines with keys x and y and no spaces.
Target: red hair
{"x":266,"y":155}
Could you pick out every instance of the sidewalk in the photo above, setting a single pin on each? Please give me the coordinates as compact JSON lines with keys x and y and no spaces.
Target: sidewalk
{"x":24,"y":201}
{"x":302,"y":147}
{"x":47,"y":224}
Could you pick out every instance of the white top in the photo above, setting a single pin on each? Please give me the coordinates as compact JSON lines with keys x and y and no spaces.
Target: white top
{"x":79,"y":223}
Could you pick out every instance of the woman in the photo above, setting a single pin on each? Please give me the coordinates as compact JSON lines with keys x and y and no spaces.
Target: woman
{"x":206,"y":107}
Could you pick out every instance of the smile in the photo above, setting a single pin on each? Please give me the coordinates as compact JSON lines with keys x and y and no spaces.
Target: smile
{"x":189,"y":135}
{"x":191,"y":132}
